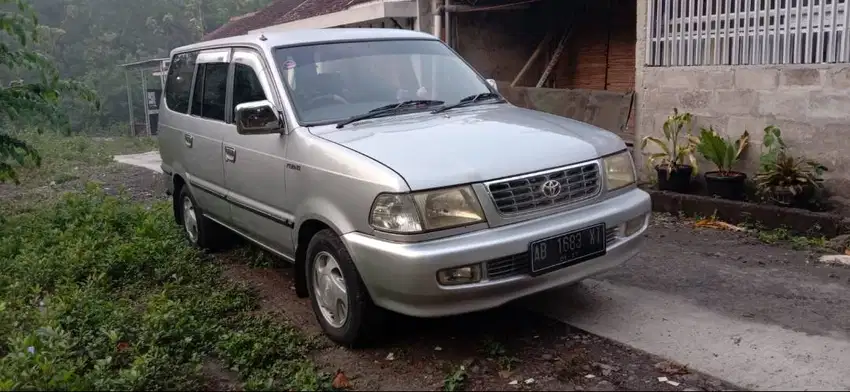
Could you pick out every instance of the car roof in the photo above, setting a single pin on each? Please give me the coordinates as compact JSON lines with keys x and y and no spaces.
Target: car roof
{"x":306,"y":36}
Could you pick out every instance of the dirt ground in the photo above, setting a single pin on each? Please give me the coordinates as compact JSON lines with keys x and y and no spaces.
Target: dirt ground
{"x":505,"y":349}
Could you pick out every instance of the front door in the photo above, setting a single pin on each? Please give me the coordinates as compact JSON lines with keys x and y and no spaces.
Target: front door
{"x":254,"y":166}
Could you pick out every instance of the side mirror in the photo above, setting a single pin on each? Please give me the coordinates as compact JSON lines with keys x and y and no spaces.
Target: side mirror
{"x":257,"y":118}
{"x":492,"y":83}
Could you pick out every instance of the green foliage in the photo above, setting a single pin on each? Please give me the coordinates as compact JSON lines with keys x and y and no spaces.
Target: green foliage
{"x":675,"y":152}
{"x":84,"y":42}
{"x":778,"y":169}
{"x":68,"y":157}
{"x":456,"y":379}
{"x":722,"y":152}
{"x":100,"y":293}
{"x":38,"y":96}
{"x":791,"y":173}
{"x":497,"y":351}
{"x":89,"y":39}
{"x":797,"y":242}
{"x":771,"y":145}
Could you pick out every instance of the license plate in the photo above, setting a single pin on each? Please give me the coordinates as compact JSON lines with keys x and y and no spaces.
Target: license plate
{"x":567,"y":249}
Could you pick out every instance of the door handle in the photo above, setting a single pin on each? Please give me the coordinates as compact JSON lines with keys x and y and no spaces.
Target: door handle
{"x":188,"y":140}
{"x":229,"y":154}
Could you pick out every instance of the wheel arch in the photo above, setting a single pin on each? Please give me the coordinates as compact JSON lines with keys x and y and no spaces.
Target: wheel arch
{"x":305,"y":231}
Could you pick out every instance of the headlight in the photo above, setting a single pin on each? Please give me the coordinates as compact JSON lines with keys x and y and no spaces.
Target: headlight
{"x":619,"y":171}
{"x":411,"y":213}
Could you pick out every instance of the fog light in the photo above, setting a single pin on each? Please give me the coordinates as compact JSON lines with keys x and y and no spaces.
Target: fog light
{"x":459,"y":275}
{"x":634,"y":225}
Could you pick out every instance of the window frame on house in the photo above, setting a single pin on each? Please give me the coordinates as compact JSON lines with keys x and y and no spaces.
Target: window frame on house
{"x":751,"y":32}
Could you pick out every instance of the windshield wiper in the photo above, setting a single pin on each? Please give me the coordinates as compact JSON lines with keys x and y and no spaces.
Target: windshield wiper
{"x":470,"y":100}
{"x":412,"y":104}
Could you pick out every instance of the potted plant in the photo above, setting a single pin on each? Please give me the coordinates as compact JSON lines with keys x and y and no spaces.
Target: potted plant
{"x":675,"y":164}
{"x":723,"y":153}
{"x":784,"y":179}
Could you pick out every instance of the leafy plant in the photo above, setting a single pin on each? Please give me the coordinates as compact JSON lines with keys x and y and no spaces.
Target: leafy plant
{"x":674,"y":151}
{"x":497,"y":351}
{"x":722,"y":152}
{"x":790,"y":173}
{"x":455,"y":380}
{"x":778,"y":169}
{"x":771,"y":145}
{"x":39,"y":96}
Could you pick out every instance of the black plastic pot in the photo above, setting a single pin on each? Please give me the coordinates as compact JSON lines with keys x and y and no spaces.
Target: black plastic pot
{"x":783,"y":196}
{"x":727,"y":186}
{"x":678,"y":180}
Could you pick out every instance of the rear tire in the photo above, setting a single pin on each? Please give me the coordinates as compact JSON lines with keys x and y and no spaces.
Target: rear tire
{"x":199,"y":230}
{"x":339,"y":298}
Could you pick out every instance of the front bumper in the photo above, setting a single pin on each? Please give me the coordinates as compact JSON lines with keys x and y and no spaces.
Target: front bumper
{"x":402,"y":276}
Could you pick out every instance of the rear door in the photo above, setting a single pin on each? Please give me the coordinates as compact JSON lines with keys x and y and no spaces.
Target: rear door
{"x":205,"y":129}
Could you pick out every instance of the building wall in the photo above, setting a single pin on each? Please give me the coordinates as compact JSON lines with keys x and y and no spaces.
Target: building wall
{"x":599,"y":54}
{"x":810,"y":103}
{"x":498,"y":43}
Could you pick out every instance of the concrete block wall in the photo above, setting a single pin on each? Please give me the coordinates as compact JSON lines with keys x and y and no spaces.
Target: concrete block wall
{"x":810,"y":103}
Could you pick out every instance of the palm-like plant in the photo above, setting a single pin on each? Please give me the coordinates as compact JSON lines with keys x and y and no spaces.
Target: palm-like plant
{"x":675,"y":152}
{"x":791,"y":173}
{"x":722,"y":152}
{"x":781,"y":173}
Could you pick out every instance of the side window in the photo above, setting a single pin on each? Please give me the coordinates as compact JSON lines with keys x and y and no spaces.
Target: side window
{"x":178,"y":84}
{"x":246,"y":86}
{"x":209,"y":98}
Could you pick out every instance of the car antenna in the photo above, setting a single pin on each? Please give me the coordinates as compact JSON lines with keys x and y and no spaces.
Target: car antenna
{"x":263,"y":37}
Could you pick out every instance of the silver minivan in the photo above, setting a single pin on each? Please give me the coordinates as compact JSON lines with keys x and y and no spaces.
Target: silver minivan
{"x":390,"y":173}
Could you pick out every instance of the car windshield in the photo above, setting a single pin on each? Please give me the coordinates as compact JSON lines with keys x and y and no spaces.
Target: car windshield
{"x":335,"y":81}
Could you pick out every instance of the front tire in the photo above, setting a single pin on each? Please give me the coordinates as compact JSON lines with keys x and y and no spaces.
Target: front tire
{"x":339,"y":298}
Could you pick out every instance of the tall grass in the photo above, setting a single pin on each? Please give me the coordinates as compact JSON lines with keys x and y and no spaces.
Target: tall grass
{"x":100,"y":293}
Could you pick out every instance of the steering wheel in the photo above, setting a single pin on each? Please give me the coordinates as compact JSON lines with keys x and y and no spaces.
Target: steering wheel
{"x":327,"y":97}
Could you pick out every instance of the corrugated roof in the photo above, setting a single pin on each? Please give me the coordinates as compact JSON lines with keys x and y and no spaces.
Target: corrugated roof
{"x":281,"y":11}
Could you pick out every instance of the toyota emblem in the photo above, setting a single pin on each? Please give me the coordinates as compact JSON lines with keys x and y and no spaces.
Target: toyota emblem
{"x":551,"y":188}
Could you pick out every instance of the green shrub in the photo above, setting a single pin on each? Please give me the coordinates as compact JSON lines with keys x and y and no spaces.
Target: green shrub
{"x":97,"y":292}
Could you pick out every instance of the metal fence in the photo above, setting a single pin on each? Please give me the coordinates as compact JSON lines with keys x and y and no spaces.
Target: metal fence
{"x":739,"y":32}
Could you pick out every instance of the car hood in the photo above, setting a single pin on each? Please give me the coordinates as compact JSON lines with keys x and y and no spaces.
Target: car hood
{"x":474,"y":144}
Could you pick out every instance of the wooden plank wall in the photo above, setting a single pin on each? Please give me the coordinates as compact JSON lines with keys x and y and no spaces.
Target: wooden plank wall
{"x":601,"y":52}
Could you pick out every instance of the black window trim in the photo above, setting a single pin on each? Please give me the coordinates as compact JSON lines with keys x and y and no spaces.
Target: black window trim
{"x":228,"y":99}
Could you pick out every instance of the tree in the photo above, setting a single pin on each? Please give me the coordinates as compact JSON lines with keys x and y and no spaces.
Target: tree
{"x":37,"y":95}
{"x":88,"y":39}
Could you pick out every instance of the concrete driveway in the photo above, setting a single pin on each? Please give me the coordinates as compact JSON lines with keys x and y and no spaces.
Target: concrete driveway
{"x":759,"y":316}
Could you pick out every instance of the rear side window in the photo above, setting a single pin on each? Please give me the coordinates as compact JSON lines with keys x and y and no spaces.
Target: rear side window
{"x":178,"y":85}
{"x":209,"y":99}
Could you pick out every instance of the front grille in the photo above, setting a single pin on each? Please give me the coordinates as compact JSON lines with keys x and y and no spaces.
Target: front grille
{"x":526,"y":193}
{"x":519,"y":264}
